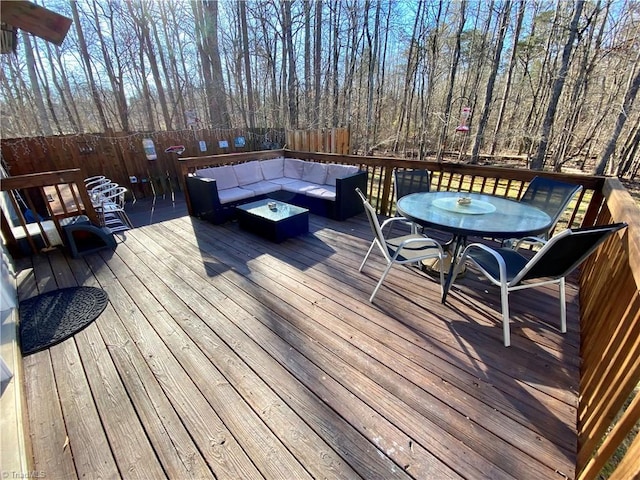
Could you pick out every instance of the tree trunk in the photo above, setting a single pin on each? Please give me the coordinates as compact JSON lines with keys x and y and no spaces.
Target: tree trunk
{"x":317,"y":62}
{"x":116,"y":79}
{"x":43,"y":119}
{"x":373,"y":45}
{"x":408,"y":78}
{"x":536,"y":98}
{"x":622,"y":118}
{"x":171,"y":107}
{"x":146,"y":94}
{"x":211,"y":64}
{"x":537,"y":163}
{"x":292,"y":97}
{"x":42,"y":78}
{"x":507,"y":86}
{"x":455,"y":58}
{"x":336,"y":10}
{"x":13,"y":119}
{"x":430,"y":76}
{"x":579,"y":97}
{"x":86,"y":61}
{"x":306,"y":93}
{"x":380,"y":90}
{"x":630,"y":150}
{"x":471,"y":92}
{"x":65,"y":100}
{"x":155,"y":71}
{"x":247,"y":65}
{"x":482,"y":125}
{"x":271,"y":75}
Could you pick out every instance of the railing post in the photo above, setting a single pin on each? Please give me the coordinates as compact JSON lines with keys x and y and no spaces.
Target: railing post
{"x":385,"y":204}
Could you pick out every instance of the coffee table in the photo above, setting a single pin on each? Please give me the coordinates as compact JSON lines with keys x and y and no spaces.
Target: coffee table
{"x":275,"y":224}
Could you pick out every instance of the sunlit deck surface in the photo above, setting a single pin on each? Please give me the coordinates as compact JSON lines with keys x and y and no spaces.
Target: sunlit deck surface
{"x":222,"y":355}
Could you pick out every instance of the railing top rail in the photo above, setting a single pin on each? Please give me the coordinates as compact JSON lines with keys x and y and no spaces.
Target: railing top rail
{"x":624,"y":209}
{"x":588,"y":181}
{"x":72,"y":175}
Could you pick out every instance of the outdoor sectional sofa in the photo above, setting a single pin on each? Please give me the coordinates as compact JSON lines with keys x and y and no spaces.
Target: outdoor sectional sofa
{"x":326,"y":189}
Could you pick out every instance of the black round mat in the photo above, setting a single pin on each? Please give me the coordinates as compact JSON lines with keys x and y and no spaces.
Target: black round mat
{"x":54,"y":316}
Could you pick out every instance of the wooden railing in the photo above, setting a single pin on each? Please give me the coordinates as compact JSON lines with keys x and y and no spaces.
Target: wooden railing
{"x":609,"y":286}
{"x":501,"y":181}
{"x":610,"y":342}
{"x":39,"y":200}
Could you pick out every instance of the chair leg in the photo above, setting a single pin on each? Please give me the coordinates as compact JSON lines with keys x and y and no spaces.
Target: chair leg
{"x":367,"y":256}
{"x":506,"y":333}
{"x":441,"y":262}
{"x":563,"y":307}
{"x":384,"y":274}
{"x":125,"y":219}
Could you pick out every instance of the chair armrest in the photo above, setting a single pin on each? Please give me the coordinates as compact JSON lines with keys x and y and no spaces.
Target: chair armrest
{"x":393,"y":219}
{"x":203,"y":196}
{"x":530,"y":241}
{"x":348,"y":202}
{"x":422,"y":239}
{"x":468,"y":252}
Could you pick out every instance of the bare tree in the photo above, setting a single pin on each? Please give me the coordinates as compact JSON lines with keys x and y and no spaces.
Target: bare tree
{"x":409,"y":78}
{"x":455,"y":58}
{"x":627,"y":104}
{"x":292,"y":97}
{"x":373,"y":44}
{"x":88,"y":69}
{"x":488,"y":97}
{"x":211,"y":66}
{"x":115,"y":73}
{"x":43,"y":119}
{"x":537,"y":162}
{"x":317,"y":63}
{"x":394,"y":76}
{"x":64,"y":91}
{"x":44,"y":82}
{"x":247,"y":65}
{"x":507,"y":85}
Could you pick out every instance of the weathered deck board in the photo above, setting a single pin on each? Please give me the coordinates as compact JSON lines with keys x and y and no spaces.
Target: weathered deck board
{"x":460,"y":427}
{"x":224,"y":355}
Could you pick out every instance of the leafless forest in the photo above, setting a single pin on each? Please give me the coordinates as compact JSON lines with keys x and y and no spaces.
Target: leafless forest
{"x":553,"y":80}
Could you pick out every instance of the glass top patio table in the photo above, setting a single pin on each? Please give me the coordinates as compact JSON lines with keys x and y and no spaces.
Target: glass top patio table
{"x":485,"y":215}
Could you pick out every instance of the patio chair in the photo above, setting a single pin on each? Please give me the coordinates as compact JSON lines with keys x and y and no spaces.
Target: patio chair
{"x":509,"y":269}
{"x":96,"y":183}
{"x":407,"y":249}
{"x":407,"y":181}
{"x":410,"y":180}
{"x":550,"y":196}
{"x":109,"y":205}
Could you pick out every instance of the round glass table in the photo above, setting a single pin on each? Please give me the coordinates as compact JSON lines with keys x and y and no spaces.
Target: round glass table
{"x":465,"y":214}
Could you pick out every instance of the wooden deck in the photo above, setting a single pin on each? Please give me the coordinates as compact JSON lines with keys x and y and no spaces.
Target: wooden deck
{"x":224,"y":356}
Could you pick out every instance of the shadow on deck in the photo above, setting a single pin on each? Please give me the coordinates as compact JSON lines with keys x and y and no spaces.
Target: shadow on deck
{"x":221,"y":354}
